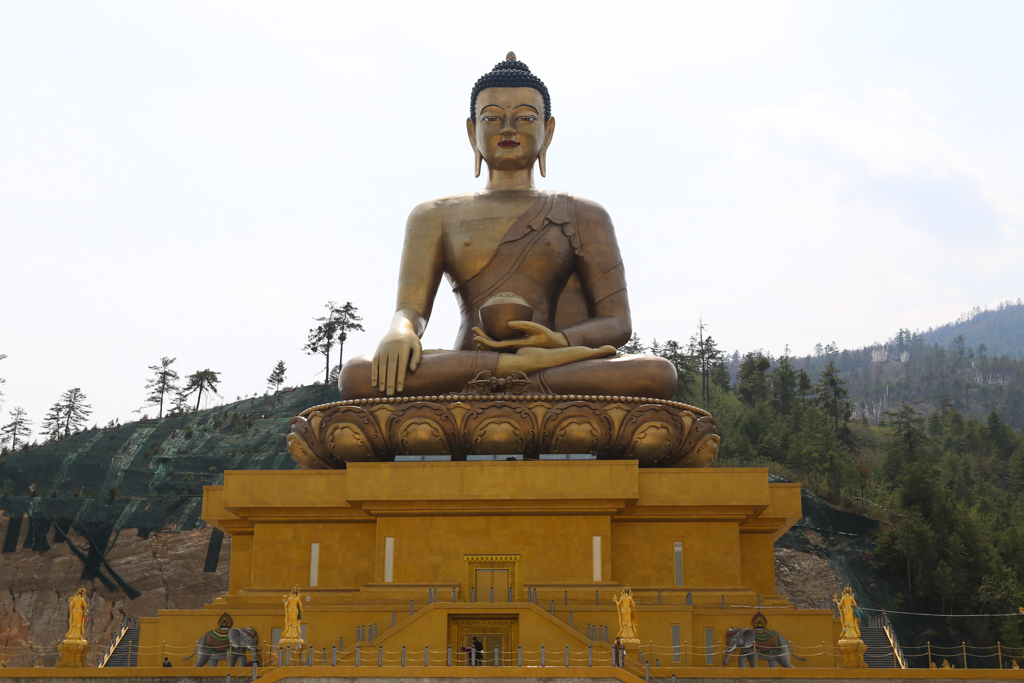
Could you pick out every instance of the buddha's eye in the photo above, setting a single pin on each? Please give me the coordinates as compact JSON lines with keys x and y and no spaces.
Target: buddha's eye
{"x":528,"y":119}
{"x":492,"y":119}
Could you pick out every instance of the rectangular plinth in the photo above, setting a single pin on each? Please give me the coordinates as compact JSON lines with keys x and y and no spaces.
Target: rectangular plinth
{"x":535,"y":550}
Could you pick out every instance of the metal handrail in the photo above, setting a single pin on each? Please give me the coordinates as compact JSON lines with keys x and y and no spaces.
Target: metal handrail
{"x":128,"y":623}
{"x":882,"y":621}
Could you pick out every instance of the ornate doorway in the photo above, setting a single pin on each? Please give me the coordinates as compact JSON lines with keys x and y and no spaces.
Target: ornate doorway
{"x":499,"y":632}
{"x":484,"y":572}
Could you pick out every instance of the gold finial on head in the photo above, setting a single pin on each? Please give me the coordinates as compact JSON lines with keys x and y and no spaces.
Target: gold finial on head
{"x":511,"y":56}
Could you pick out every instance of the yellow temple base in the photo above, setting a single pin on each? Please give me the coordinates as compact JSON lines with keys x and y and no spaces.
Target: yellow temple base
{"x":525,"y":556}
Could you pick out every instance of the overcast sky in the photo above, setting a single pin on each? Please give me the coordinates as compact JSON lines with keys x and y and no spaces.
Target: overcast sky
{"x":196,"y":180}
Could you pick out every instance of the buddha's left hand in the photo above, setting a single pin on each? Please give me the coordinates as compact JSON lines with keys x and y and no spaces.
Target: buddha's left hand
{"x":537,"y":336}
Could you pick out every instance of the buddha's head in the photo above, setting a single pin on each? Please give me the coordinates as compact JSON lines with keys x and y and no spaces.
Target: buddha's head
{"x":510,"y":124}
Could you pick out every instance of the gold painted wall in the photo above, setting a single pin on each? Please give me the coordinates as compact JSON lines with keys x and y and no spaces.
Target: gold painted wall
{"x":711,"y":553}
{"x":547,"y":513}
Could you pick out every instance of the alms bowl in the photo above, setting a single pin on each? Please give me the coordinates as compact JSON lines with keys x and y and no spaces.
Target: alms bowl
{"x":501,"y":309}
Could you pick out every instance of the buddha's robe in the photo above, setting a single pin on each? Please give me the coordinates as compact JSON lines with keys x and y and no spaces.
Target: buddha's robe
{"x":570,"y":272}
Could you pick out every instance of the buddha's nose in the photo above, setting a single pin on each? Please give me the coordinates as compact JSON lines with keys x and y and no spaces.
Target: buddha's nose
{"x":508,"y":125}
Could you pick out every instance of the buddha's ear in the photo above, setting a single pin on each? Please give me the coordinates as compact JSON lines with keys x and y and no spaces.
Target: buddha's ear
{"x":542,"y":158}
{"x":477,"y":156}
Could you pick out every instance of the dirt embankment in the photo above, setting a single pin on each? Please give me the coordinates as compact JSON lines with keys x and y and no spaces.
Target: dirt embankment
{"x":166,"y":568}
{"x":804,"y":578}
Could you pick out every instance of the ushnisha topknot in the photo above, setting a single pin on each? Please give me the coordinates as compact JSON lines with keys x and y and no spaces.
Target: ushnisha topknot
{"x":510,"y":73}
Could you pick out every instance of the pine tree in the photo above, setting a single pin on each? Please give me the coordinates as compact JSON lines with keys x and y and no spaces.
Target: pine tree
{"x":753,"y":379}
{"x":276,"y":378}
{"x":908,"y":439}
{"x":633,"y":347}
{"x":683,"y":363}
{"x":198,"y":382}
{"x":17,"y":430}
{"x":1016,"y":470}
{"x":784,"y":386}
{"x":179,"y":402}
{"x":706,"y":355}
{"x":320,"y":340}
{"x":162,"y":383}
{"x":67,"y":415}
{"x":833,"y":397}
{"x":346,"y":319}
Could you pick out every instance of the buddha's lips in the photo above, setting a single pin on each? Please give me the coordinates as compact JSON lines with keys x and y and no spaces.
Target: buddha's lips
{"x":508,"y":143}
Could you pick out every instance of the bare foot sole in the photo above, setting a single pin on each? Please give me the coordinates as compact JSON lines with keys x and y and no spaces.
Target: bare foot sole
{"x":533,"y":359}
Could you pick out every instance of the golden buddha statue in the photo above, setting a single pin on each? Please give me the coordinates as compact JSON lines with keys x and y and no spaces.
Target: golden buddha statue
{"x":555,"y":251}
{"x":542,"y":295}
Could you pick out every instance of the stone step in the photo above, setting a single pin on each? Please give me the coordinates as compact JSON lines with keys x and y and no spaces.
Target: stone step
{"x":120,"y":656}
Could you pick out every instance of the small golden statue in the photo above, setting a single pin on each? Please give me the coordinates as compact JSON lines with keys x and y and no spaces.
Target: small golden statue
{"x":1014,"y":664}
{"x":947,"y":665}
{"x":627,"y":619}
{"x":850,"y":614}
{"x":851,"y":647}
{"x":75,"y":647}
{"x":291,"y":634}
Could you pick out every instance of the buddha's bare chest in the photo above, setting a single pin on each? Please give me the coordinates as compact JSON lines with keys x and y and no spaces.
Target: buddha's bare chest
{"x":472,"y":234}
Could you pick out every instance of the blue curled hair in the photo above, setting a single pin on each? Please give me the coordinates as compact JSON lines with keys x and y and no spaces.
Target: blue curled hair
{"x":510,"y":73}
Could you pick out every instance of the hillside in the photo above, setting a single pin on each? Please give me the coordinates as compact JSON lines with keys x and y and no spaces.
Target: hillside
{"x":130,"y":495}
{"x":982,"y":373}
{"x":1001,"y":330}
{"x":148,"y":475}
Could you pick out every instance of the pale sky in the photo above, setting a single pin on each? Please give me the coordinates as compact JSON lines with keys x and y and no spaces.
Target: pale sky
{"x":196,"y":180}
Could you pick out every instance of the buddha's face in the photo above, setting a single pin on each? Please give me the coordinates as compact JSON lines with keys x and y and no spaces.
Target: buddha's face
{"x":510,"y":131}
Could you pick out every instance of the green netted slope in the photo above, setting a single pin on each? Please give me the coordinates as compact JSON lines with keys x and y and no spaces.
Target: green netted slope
{"x":147,"y":475}
{"x":848,"y":545}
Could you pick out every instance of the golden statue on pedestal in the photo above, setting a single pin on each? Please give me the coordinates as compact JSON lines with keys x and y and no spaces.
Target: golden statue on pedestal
{"x":291,"y":634}
{"x":627,"y":619}
{"x":75,"y":647}
{"x":849,"y":614}
{"x":542,"y":294}
{"x":851,"y":647}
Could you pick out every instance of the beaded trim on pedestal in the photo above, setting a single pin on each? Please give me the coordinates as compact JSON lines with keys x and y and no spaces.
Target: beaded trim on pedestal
{"x":509,"y":398}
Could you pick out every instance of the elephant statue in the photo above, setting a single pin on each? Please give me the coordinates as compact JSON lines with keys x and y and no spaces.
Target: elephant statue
{"x":754,"y":645}
{"x":243,"y":641}
{"x":219,"y":644}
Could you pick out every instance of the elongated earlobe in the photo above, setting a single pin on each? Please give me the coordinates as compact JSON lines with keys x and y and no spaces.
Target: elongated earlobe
{"x":478,"y":158}
{"x":543,"y":157}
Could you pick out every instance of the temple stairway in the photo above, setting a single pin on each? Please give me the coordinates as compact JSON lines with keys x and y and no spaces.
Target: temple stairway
{"x":879,"y":653}
{"x":127,"y":651}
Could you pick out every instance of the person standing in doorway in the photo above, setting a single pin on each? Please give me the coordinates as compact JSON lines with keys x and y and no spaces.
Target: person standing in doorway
{"x":478,"y":651}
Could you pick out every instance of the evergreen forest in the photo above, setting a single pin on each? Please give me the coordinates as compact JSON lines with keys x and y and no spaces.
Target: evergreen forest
{"x":925,"y":437}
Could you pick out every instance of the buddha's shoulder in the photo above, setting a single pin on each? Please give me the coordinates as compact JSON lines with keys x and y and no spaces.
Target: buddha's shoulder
{"x":443,"y":206}
{"x":590,"y":212}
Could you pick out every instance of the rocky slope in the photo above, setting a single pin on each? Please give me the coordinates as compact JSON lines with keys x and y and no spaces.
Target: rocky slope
{"x":35,"y":586}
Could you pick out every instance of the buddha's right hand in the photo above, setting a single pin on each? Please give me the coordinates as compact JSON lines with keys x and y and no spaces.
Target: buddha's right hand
{"x":398,"y":351}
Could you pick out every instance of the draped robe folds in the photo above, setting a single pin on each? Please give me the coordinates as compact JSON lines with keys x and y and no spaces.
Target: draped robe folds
{"x":542,"y":258}
{"x":564,"y":272}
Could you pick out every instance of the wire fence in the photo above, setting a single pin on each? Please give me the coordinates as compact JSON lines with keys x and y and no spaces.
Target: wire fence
{"x":363,"y":652}
{"x":651,"y":660}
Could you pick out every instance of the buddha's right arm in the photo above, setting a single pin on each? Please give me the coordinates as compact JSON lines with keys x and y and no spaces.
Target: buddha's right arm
{"x":418,"y":279}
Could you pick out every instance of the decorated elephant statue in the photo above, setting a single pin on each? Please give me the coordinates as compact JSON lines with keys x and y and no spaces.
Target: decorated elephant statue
{"x":761,"y":644}
{"x":219,"y":644}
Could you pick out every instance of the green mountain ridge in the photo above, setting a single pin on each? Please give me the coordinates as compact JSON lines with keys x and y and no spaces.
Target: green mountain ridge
{"x":148,"y":475}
